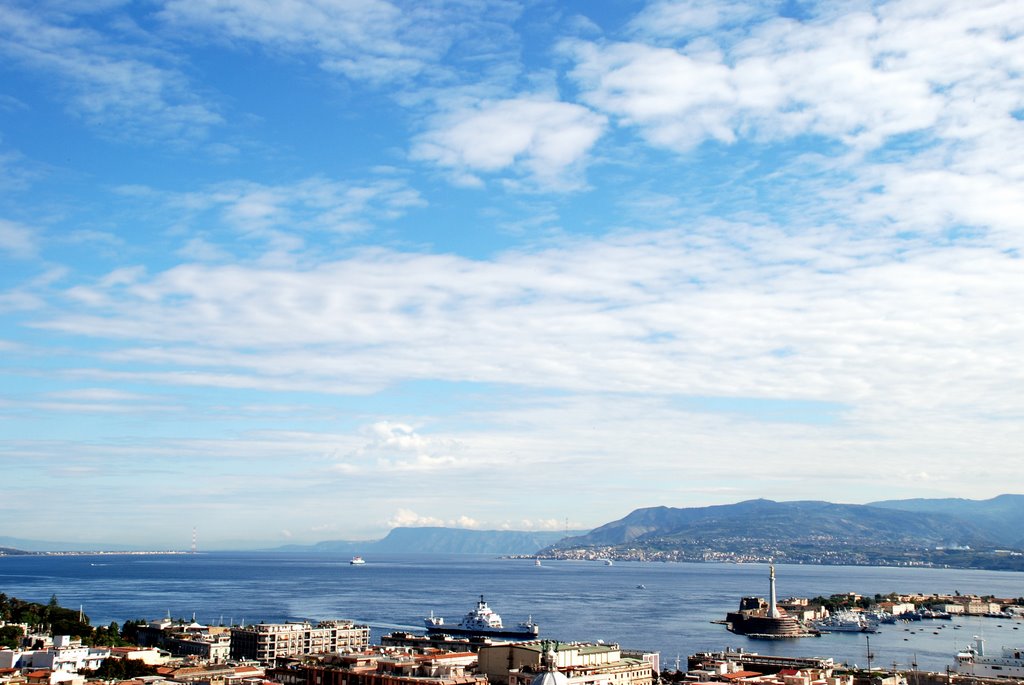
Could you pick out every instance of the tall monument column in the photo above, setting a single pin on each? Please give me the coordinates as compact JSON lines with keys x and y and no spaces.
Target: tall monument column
{"x":773,"y":611}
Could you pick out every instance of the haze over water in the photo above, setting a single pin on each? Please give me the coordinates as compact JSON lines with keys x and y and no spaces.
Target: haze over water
{"x":570,"y":600}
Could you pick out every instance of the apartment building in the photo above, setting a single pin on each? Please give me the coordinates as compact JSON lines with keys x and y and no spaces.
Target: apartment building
{"x":268,"y":642}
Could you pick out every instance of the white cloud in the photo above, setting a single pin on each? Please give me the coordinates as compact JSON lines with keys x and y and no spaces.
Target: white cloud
{"x":726,"y":310}
{"x":280,"y":214}
{"x":395,"y":446}
{"x":99,"y":394}
{"x":404,"y":518}
{"x":855,"y":76}
{"x":17,"y":240}
{"x":357,"y":38}
{"x":918,"y":103}
{"x":118,"y":90}
{"x":365,"y":40}
{"x":535,"y":524}
{"x":544,"y":140}
{"x":465,"y":522}
{"x":787,"y":79}
{"x":686,"y":18}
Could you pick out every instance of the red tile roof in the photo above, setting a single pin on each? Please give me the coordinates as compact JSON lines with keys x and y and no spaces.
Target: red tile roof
{"x":740,"y":675}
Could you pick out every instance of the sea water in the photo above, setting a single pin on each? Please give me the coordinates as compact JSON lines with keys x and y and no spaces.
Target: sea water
{"x":662,"y":607}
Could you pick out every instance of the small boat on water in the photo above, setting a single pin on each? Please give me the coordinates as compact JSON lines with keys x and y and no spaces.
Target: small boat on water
{"x":357,"y":561}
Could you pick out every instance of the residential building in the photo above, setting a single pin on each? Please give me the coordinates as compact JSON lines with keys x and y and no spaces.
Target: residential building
{"x":384,"y":667}
{"x":67,"y":655}
{"x":582,"y":663}
{"x":207,"y":643}
{"x":268,"y":642}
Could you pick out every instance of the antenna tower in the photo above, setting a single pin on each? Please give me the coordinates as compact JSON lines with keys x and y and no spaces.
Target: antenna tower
{"x":193,"y":539}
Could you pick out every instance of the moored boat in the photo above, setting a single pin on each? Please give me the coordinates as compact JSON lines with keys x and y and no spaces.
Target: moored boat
{"x":847,"y":622}
{"x":973,"y":661}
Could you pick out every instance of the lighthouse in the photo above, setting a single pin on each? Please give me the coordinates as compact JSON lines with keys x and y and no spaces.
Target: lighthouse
{"x":773,"y":611}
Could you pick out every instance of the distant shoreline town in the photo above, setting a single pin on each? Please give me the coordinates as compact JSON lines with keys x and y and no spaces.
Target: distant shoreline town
{"x":92,"y":553}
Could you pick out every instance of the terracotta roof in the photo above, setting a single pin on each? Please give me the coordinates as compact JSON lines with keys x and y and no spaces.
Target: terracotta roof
{"x":740,"y":675}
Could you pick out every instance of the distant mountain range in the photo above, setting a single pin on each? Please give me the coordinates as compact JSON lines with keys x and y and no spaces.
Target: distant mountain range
{"x":934,"y":532}
{"x":1001,"y":518}
{"x":766,"y":519}
{"x":437,"y":540}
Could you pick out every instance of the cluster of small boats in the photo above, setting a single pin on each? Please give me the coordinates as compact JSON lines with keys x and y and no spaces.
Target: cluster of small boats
{"x":847,"y":622}
{"x":868,"y":621}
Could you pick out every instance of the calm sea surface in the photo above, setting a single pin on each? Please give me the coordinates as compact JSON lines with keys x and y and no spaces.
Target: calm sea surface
{"x":570,"y":600}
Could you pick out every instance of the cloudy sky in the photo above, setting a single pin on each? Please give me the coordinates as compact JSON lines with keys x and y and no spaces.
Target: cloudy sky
{"x":296,"y":270}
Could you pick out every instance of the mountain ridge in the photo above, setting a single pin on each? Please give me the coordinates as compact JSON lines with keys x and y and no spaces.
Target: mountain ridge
{"x":1001,"y":516}
{"x":925,"y":532}
{"x":439,"y":540}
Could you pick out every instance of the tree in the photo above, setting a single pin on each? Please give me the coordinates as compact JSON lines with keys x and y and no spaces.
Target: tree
{"x":130,"y":630}
{"x":122,"y":669}
{"x":10,"y":636}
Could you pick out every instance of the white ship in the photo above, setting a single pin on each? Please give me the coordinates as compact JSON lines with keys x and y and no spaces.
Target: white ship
{"x":973,"y":661}
{"x":357,"y":561}
{"x":482,"y":621}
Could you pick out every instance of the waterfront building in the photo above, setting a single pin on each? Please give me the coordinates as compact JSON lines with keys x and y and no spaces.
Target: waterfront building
{"x":895,"y":608}
{"x":207,"y":643}
{"x":268,"y":642}
{"x":582,"y":663}
{"x":980,"y":608}
{"x":949,"y":608}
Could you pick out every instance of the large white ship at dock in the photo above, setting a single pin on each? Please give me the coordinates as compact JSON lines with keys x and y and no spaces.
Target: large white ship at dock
{"x":974,"y":661}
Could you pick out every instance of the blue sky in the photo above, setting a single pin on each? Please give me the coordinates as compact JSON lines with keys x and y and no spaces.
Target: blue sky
{"x":303,"y":270}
